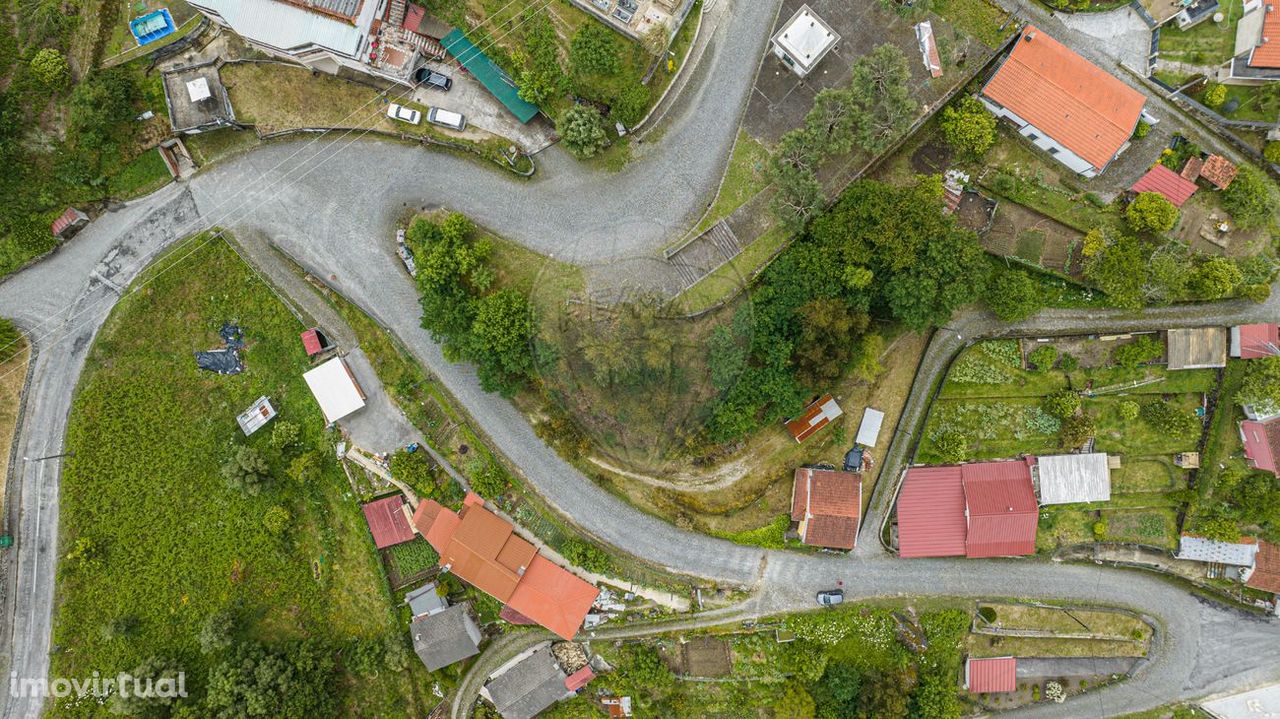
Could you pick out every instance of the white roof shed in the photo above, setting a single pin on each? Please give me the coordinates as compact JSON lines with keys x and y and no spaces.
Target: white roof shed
{"x":1210,"y":550}
{"x":1071,"y":478}
{"x":804,"y":41}
{"x":336,"y":389}
{"x":869,"y":430}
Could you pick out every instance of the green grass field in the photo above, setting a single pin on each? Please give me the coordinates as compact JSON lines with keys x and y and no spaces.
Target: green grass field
{"x":171,"y":542}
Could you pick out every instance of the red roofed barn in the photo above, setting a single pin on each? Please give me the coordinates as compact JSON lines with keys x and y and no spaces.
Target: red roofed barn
{"x":481,"y":548}
{"x":826,"y":506}
{"x":984,"y":509}
{"x":1064,"y":104}
{"x":983,"y":676}
{"x":1261,"y":443}
{"x":1174,"y":187}
{"x":387,"y":521}
{"x":1255,"y":341}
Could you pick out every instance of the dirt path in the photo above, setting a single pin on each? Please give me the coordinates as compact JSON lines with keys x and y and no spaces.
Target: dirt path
{"x":13,"y":377}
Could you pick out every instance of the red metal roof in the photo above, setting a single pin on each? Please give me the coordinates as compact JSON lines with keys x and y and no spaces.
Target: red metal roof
{"x":510,"y":615}
{"x":1175,"y":188}
{"x":982,"y":676}
{"x":1219,"y":170}
{"x":1191,"y":170}
{"x":1261,"y":443}
{"x":311,"y":342}
{"x":1002,"y":508}
{"x":1258,"y":341}
{"x":1266,"y":568}
{"x":1267,"y":52}
{"x":579,"y":679}
{"x":829,"y":504}
{"x":413,"y":17}
{"x":65,"y":220}
{"x":931,"y":513}
{"x":387,"y":521}
{"x":1078,"y":104}
{"x":815,"y":417}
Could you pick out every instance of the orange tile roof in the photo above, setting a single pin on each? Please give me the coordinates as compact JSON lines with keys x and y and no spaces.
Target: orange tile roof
{"x":1078,"y":104}
{"x":1266,"y":569}
{"x":829,"y":504}
{"x":553,"y":597}
{"x":1267,"y":52}
{"x":1219,"y":170}
{"x":815,"y":417}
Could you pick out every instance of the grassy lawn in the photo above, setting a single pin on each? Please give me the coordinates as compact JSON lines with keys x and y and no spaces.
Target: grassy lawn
{"x":170,"y":542}
{"x":979,"y":645}
{"x":1208,"y":43}
{"x":979,"y":18}
{"x":13,"y":376}
{"x":1064,"y":526}
{"x":146,"y":173}
{"x":743,"y":179}
{"x":730,"y":278}
{"x":1253,"y":103}
{"x":1110,"y":625}
{"x":1156,"y":474}
{"x":1155,"y":527}
{"x":208,"y":147}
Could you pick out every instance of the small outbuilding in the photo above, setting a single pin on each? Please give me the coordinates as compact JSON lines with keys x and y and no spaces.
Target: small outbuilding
{"x":1174,"y":187}
{"x":335,"y":389}
{"x":869,"y":430}
{"x":1261,"y":443}
{"x":1219,"y":171}
{"x":1197,"y":348}
{"x":252,"y":419}
{"x":987,"y":676}
{"x":803,"y":41}
{"x":1072,"y":478}
{"x":388,"y":522}
{"x":445,"y":637}
{"x":315,"y":342}
{"x":815,"y":417}
{"x":1199,"y":549}
{"x":69,"y":223}
{"x":929,"y":49}
{"x":197,"y":100}
{"x":425,"y":600}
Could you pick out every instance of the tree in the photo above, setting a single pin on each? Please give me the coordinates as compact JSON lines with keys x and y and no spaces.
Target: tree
{"x":503,"y":332}
{"x":305,"y":468}
{"x":642,"y":669}
{"x":792,"y":169}
{"x":1260,"y":387}
{"x":276,"y":520}
{"x":101,"y":104}
{"x":1012,"y":295}
{"x":885,"y":695}
{"x":582,"y":129}
{"x":1076,"y":430}
{"x":1043,"y":357}
{"x":153,"y":685}
{"x":1151,"y":212}
{"x":829,"y":329}
{"x":1167,"y":419}
{"x":879,"y":83}
{"x":246,"y":471}
{"x":284,"y":435}
{"x":50,"y":68}
{"x":594,"y":50}
{"x":487,"y":478}
{"x":967,"y":127}
{"x":218,"y":631}
{"x":834,"y":120}
{"x":585,"y":555}
{"x":1215,"y":95}
{"x":1272,"y":152}
{"x":1250,"y":198}
{"x":1094,"y":243}
{"x":1132,"y":354}
{"x":795,"y":703}
{"x":541,"y":76}
{"x":1061,"y":404}
{"x":253,"y":682}
{"x":1120,"y":271}
{"x":1215,"y":278}
{"x":416,"y":470}
{"x":836,"y":696}
{"x":1169,"y":271}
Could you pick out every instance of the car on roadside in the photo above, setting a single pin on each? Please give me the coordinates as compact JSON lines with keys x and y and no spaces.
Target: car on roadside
{"x":831,"y":597}
{"x":431,"y":78}
{"x":447,"y":118}
{"x":404,"y":114}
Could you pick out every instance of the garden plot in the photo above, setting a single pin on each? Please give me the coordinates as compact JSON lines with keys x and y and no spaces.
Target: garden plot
{"x":1027,"y":235}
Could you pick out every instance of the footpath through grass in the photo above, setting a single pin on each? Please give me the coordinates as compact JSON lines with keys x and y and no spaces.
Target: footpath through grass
{"x":153,"y":541}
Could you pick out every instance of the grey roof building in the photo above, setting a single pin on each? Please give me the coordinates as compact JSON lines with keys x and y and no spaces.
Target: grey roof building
{"x":1070,"y":478}
{"x":448,"y":636}
{"x":425,"y":600}
{"x":1208,"y":550}
{"x":197,"y":99}
{"x":528,"y":684}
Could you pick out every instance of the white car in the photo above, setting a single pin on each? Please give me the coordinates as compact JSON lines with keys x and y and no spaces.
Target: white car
{"x":447,"y":118}
{"x":403,"y":114}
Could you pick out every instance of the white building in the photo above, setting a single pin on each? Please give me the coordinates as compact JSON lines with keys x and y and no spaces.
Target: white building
{"x":335,"y":389}
{"x":1072,"y":478}
{"x":803,"y":41}
{"x":1064,"y":104}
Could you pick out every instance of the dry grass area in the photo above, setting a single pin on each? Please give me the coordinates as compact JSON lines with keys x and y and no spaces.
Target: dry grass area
{"x":1118,"y":625}
{"x":988,"y":646}
{"x":13,"y":375}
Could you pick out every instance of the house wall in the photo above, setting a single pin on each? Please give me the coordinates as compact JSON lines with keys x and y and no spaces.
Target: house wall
{"x":1037,"y":137}
{"x":789,"y":61}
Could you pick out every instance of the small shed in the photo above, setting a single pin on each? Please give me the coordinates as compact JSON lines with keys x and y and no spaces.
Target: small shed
{"x":1199,"y":549}
{"x":996,"y":674}
{"x":803,"y":41}
{"x":446,"y":637}
{"x":929,"y":49}
{"x":869,"y":430}
{"x":69,"y":223}
{"x":426,"y":600}
{"x":335,"y":389}
{"x":1219,"y":171}
{"x":1072,"y":478}
{"x":815,"y":417}
{"x":1174,"y":187}
{"x":1197,"y":347}
{"x":252,"y":419}
{"x":315,"y":342}
{"x":388,"y":522}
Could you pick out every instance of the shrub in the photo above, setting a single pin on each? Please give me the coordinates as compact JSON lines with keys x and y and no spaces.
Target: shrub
{"x":1131,"y":354}
{"x":1249,"y":198}
{"x":1094,"y":242}
{"x":50,"y":68}
{"x":1100,"y":530}
{"x":1272,"y":152}
{"x":1215,"y":95}
{"x":953,"y":447}
{"x":246,"y":471}
{"x":585,"y":555}
{"x":1151,"y":212}
{"x":1054,"y":691}
{"x":582,"y":129}
{"x":1128,"y":410}
{"x":487,"y":478}
{"x":284,"y":435}
{"x":1068,"y":362}
{"x":1004,"y":183}
{"x":968,"y":128}
{"x":1076,"y":430}
{"x":1141,"y":130}
{"x":276,"y":520}
{"x":305,"y":468}
{"x":1166,"y":418}
{"x":1043,"y":357}
{"x":217,"y":632}
{"x":1061,"y":404}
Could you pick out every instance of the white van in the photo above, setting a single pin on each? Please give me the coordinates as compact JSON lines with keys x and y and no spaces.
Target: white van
{"x":446,"y":118}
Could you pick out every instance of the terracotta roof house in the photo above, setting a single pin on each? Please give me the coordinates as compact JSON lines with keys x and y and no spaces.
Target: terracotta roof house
{"x":388,"y":522}
{"x":984,"y":676}
{"x":1255,"y":341}
{"x":826,"y":505}
{"x":529,"y":683}
{"x":983,"y":509}
{"x":1174,"y":187}
{"x":1266,"y":569}
{"x":1219,"y":171}
{"x":1261,"y":443}
{"x":814,"y":417}
{"x":929,"y":49}
{"x":1064,"y":104}
{"x":1197,"y":347}
{"x":445,"y":637}
{"x":481,"y":548}
{"x":1257,"y":43}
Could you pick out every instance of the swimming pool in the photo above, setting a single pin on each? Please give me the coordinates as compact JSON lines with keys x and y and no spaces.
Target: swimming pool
{"x":152,"y":26}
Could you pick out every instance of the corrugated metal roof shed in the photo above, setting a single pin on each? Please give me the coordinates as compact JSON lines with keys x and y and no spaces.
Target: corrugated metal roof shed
{"x":1200,"y":549}
{"x":997,"y":674}
{"x":931,"y":513}
{"x":814,"y":417}
{"x":252,"y":419}
{"x":387,"y":521}
{"x":285,"y":26}
{"x":1070,"y":478}
{"x":489,"y":74}
{"x":869,"y":430}
{"x":1197,"y":347}
{"x":1261,"y":443}
{"x":1174,"y":187}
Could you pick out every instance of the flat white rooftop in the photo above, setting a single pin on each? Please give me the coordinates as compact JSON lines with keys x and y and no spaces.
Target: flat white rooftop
{"x":805,"y":39}
{"x":335,"y":389}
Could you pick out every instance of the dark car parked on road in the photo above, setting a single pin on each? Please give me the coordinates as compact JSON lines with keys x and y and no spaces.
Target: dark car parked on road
{"x":427,"y":76}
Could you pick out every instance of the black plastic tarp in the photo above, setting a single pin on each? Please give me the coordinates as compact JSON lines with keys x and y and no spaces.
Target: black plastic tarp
{"x":220,"y":361}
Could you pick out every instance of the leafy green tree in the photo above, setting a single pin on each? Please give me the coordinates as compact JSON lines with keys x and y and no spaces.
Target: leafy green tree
{"x":276,"y":520}
{"x":1215,"y":278}
{"x":253,"y":682}
{"x":727,"y":351}
{"x":829,"y":329}
{"x":1260,"y":387}
{"x":793,"y":172}
{"x":101,"y":104}
{"x":153,"y":688}
{"x":1250,"y":198}
{"x":586,"y":555}
{"x":1151,"y":212}
{"x":488,"y":479}
{"x":1167,"y":419}
{"x":246,"y":471}
{"x":880,"y":85}
{"x":595,"y":50}
{"x":795,"y":703}
{"x":218,"y":631}
{"x":1012,"y":295}
{"x":503,"y":334}
{"x":1043,"y":357}
{"x":1169,"y":272}
{"x":1132,"y":354}
{"x":836,"y":696}
{"x":416,"y":470}
{"x":642,"y":669}
{"x":50,"y":67}
{"x":885,"y":695}
{"x":1119,"y":270}
{"x":967,"y":127}
{"x":833,"y":122}
{"x":541,"y":76}
{"x":582,"y":130}
{"x":1061,"y":404}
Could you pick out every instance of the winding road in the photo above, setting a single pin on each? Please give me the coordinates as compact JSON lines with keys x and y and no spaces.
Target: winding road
{"x":332,"y":203}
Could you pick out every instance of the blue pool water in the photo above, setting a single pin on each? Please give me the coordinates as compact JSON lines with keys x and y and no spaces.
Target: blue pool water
{"x":152,"y":26}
